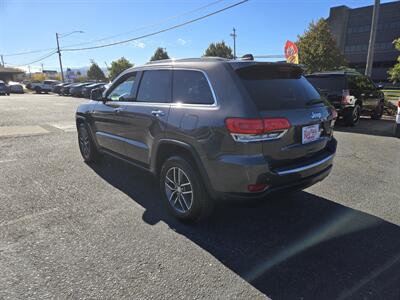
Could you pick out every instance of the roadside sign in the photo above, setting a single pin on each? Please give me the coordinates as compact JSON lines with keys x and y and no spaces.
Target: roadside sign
{"x":291,"y":53}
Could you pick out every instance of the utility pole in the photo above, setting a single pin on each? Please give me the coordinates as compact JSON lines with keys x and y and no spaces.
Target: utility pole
{"x":2,"y":60}
{"x":234,"y":35}
{"x":372,"y":37}
{"x":42,"y":66}
{"x":30,"y":74}
{"x":59,"y":58}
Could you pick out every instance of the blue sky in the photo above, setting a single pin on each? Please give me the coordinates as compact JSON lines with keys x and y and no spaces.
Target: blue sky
{"x":263,"y":26}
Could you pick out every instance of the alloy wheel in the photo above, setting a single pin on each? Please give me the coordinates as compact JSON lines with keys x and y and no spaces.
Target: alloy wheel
{"x":178,"y":189}
{"x":84,"y":142}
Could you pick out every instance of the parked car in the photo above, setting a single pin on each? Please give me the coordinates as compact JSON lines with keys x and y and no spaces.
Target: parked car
{"x":351,"y":93}
{"x":86,"y":91}
{"x":397,"y":126}
{"x":76,"y":90}
{"x":15,"y":88}
{"x":65,"y":90}
{"x":4,"y":90}
{"x":57,"y":88}
{"x":43,"y":87}
{"x":213,"y":127}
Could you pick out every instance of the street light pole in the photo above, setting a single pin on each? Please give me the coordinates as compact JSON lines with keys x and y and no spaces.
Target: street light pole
{"x":234,"y":35}
{"x":371,"y":46}
{"x":59,"y":58}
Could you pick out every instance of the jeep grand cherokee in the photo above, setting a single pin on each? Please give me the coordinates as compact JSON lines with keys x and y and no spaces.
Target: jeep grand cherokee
{"x":212,"y":128}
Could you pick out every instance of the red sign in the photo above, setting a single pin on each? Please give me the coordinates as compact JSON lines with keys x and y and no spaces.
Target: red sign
{"x":291,"y":52}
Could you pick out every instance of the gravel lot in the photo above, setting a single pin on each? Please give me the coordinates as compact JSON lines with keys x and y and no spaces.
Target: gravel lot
{"x":72,"y":230}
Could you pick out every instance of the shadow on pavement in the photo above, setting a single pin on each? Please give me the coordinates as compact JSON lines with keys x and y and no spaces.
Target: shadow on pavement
{"x":370,"y":127}
{"x":302,"y":247}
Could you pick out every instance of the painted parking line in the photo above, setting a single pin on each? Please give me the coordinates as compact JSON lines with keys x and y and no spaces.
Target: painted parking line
{"x":9,"y":131}
{"x":65,"y":126}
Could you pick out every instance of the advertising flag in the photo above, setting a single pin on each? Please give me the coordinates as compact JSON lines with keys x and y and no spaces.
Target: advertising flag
{"x":291,"y":53}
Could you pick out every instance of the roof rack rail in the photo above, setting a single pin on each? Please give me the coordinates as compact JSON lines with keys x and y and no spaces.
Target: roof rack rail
{"x":207,"y":58}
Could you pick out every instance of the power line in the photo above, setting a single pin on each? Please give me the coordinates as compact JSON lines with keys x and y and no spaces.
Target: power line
{"x":149,"y":25}
{"x":159,"y":31}
{"x":35,"y":61}
{"x":120,"y":34}
{"x":28,"y":52}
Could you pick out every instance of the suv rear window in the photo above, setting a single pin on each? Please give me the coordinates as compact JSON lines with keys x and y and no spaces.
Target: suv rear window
{"x":328,"y":83}
{"x":278,"y":87}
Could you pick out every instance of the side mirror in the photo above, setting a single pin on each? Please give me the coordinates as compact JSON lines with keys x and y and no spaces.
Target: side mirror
{"x":96,"y":94}
{"x":380,"y":86}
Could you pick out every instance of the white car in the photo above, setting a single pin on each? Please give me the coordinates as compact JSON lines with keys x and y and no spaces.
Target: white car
{"x":45,"y":86}
{"x":397,"y":126}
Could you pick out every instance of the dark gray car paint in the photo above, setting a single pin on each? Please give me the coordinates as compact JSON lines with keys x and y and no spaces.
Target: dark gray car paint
{"x":226,"y":166}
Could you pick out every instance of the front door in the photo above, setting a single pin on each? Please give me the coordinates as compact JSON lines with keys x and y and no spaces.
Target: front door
{"x":107,"y":116}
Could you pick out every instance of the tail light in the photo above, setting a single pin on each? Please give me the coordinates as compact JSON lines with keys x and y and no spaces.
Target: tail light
{"x":254,"y":130}
{"x":346,"y":98}
{"x":398,"y":104}
{"x":334,"y":113}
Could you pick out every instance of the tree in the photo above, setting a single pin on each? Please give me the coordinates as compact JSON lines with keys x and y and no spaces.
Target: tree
{"x":95,"y":73}
{"x":219,"y":49}
{"x":394,"y":73}
{"x":318,"y":50}
{"x":118,"y":66}
{"x":159,"y":54}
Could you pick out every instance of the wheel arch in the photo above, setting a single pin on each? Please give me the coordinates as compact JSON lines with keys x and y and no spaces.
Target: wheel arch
{"x":167,"y":147}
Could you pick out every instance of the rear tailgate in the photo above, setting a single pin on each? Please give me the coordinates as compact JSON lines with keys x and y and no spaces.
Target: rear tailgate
{"x":280,"y":91}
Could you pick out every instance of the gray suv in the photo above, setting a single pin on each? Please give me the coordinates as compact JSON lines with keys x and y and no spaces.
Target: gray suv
{"x":212,"y":128}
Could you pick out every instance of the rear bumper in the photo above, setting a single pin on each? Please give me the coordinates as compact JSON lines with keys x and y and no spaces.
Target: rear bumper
{"x":231,"y":178}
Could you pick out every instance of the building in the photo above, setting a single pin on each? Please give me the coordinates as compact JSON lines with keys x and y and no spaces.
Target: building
{"x":351,"y":29}
{"x":10,"y":74}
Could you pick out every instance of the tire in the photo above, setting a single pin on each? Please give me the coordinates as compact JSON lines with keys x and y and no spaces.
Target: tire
{"x":352,"y":117}
{"x":378,"y":112}
{"x":38,"y":90}
{"x":87,"y":146}
{"x":188,"y":202}
{"x":397,"y":131}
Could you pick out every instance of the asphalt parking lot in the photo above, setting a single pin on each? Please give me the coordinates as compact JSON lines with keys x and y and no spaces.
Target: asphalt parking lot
{"x":72,"y":230}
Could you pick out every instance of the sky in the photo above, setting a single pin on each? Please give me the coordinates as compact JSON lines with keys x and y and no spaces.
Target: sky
{"x":263,"y":26}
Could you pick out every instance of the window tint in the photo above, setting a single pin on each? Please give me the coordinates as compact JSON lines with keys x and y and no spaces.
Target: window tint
{"x":327,"y":83}
{"x":278,"y":87}
{"x":123,"y":91}
{"x":191,"y":87}
{"x":155,"y":86}
{"x":353,"y":82}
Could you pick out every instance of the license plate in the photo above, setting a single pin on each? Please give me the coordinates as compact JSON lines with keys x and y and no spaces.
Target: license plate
{"x":310,"y":133}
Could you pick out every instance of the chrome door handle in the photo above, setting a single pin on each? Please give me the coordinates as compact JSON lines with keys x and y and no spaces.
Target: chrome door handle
{"x":119,"y":109}
{"x":158,"y":113}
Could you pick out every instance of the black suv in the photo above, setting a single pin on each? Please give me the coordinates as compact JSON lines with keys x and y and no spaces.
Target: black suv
{"x":212,"y":128}
{"x":351,"y":93}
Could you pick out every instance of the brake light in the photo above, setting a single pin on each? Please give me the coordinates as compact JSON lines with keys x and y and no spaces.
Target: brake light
{"x":346,"y":98}
{"x":252,"y":130}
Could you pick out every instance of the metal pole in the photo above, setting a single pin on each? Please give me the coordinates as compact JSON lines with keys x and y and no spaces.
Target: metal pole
{"x":2,"y":60}
{"x":234,"y":42}
{"x":59,"y":58}
{"x":372,"y":37}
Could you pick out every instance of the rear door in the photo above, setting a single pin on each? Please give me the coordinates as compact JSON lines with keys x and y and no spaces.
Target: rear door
{"x":146,"y":117}
{"x":282,"y":92}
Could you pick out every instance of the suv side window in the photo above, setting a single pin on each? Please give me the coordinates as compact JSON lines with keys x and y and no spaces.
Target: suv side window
{"x":155,"y":86}
{"x":191,"y":87}
{"x":370,"y":84}
{"x":124,"y":90}
{"x":352,"y":82}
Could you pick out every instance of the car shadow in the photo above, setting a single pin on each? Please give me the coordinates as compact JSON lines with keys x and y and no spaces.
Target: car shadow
{"x":298,"y":247}
{"x":368,"y":126}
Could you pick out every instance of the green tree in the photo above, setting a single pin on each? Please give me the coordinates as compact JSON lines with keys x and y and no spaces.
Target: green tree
{"x":219,"y":49}
{"x":159,"y":54}
{"x":318,"y":50}
{"x":394,"y":73}
{"x":118,"y":66}
{"x":95,"y":73}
